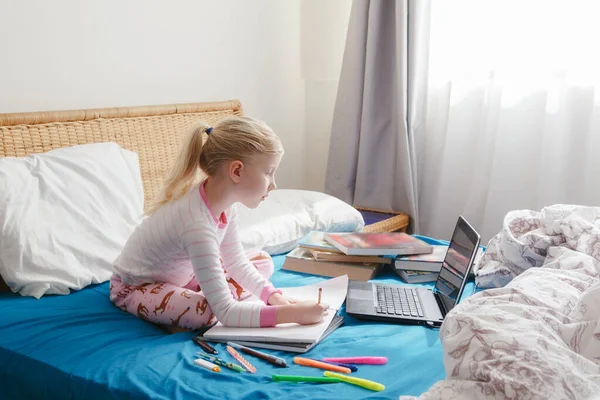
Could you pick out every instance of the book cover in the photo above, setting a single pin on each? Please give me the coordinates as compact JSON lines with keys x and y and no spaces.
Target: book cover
{"x":431,"y":262}
{"x":380,"y":243}
{"x":301,"y":260}
{"x":322,"y":255}
{"x":298,"y":347}
{"x":316,"y":240}
{"x":417,"y":276}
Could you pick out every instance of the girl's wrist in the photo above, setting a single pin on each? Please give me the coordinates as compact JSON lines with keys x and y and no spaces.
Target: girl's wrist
{"x":285,"y":314}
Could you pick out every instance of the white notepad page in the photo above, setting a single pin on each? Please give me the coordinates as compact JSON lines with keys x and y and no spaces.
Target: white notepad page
{"x":333,"y":293}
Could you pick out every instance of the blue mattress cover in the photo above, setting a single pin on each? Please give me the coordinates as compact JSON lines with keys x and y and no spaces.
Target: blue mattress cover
{"x":80,"y":346}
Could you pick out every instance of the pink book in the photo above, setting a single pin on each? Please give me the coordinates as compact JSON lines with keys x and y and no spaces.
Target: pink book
{"x":380,"y":243}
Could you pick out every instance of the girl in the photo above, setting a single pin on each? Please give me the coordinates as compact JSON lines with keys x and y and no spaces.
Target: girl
{"x":184,"y":264}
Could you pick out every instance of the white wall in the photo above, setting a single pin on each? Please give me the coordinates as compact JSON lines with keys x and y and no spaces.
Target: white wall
{"x":324,"y":26}
{"x":280,"y":58}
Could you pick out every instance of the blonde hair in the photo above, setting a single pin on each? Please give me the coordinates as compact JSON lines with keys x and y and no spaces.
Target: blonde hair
{"x":232,"y":138}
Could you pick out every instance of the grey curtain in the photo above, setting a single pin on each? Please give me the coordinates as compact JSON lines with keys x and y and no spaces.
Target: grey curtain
{"x":372,"y":160}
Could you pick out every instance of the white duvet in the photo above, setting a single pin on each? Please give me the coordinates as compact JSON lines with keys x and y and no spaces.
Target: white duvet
{"x":539,"y":336}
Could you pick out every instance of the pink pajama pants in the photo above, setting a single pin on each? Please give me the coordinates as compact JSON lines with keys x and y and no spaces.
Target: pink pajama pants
{"x":185,"y":307}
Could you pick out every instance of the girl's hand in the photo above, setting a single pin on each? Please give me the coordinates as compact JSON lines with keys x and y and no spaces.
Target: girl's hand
{"x":277,"y":299}
{"x":304,"y":313}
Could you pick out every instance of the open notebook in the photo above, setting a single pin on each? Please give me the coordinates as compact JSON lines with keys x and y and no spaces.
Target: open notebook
{"x":297,"y":347}
{"x":333,"y":293}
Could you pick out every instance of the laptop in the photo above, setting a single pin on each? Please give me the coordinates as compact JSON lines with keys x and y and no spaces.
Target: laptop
{"x":411,"y":304}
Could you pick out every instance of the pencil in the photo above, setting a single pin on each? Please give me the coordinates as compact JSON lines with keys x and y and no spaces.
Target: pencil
{"x":218,"y":361}
{"x":251,"y":368}
{"x":320,"y":291}
{"x":205,"y":346}
{"x":277,"y":361}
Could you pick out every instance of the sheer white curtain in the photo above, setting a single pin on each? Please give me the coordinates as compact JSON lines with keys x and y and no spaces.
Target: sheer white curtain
{"x":510,"y":110}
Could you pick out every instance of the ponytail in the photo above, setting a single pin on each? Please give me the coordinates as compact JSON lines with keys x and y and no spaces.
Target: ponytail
{"x":185,"y":172}
{"x":231,"y":138}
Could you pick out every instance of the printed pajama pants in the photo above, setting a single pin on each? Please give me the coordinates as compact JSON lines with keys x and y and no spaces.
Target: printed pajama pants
{"x":184,"y":307}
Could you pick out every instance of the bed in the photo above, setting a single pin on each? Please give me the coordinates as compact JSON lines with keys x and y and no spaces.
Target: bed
{"x":80,"y":346}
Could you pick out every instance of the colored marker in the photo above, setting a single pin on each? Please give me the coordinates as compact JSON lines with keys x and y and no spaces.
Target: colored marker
{"x":307,"y":362}
{"x":358,"y":360}
{"x":367,"y":384}
{"x":277,"y":361}
{"x":207,"y":364}
{"x":352,"y":368}
{"x":320,"y":291}
{"x":222,"y":363}
{"x":316,"y":379}
{"x":205,"y":346}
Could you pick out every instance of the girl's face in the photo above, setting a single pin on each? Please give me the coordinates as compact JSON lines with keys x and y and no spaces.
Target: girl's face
{"x":257,"y":179}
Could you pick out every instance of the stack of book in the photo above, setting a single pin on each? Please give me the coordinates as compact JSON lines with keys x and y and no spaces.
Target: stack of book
{"x":359,"y":255}
{"x":314,"y":255}
{"x":420,"y":268}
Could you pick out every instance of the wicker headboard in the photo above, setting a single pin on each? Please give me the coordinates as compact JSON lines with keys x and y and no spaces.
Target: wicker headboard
{"x":154,"y":132}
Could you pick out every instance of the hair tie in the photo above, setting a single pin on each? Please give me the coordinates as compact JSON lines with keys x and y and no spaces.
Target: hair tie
{"x":209,"y":130}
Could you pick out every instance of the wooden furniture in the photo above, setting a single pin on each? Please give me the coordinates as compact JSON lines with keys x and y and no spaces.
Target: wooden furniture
{"x":154,"y":132}
{"x":383,"y":220}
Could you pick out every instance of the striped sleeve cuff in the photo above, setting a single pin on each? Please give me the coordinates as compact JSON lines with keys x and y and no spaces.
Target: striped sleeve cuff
{"x":267,"y":291}
{"x":268,"y":316}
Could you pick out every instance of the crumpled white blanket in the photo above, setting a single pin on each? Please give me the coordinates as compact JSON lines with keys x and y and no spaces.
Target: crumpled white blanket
{"x":539,"y":336}
{"x":527,"y":235}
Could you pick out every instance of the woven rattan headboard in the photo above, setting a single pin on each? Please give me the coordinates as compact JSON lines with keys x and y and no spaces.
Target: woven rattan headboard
{"x":154,"y":132}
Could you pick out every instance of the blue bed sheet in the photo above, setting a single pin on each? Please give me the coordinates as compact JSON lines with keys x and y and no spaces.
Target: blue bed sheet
{"x":81,"y":347}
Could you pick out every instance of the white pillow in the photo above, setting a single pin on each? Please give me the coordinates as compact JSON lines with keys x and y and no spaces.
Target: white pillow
{"x":287,"y":215}
{"x":65,"y":215}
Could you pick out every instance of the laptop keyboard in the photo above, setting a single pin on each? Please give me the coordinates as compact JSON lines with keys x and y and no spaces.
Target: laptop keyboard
{"x":398,"y":300}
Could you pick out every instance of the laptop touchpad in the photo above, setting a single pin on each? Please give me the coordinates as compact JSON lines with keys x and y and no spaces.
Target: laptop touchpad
{"x":361,"y":294}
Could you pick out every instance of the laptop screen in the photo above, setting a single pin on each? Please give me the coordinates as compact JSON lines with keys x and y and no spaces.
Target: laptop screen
{"x":457,"y":263}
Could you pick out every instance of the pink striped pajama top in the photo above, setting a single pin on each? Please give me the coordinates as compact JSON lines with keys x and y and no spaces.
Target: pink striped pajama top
{"x":184,"y":238}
